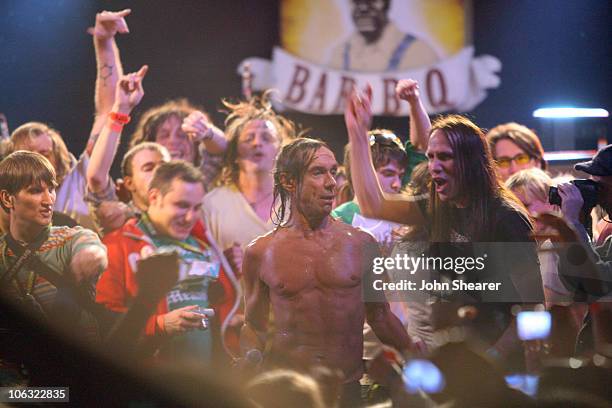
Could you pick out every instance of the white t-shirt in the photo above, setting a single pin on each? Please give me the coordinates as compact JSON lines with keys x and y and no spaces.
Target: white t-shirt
{"x":71,"y":194}
{"x":230,"y":218}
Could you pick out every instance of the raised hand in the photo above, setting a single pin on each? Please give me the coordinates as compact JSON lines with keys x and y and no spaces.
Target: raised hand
{"x":571,"y":201}
{"x":112,"y":215}
{"x":358,"y":112}
{"x":408,"y":90}
{"x":109,"y":23}
{"x":129,"y":91}
{"x":197,"y":126}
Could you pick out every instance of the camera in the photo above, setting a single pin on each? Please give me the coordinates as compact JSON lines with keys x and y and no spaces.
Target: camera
{"x":589,"y":190}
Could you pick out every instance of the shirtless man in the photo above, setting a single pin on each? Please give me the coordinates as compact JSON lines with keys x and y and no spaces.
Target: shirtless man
{"x":311,"y":270}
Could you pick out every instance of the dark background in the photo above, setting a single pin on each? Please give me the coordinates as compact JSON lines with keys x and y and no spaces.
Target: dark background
{"x":553,"y":53}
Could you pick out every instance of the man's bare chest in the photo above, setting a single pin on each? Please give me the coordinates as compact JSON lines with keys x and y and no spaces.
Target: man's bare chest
{"x":301,"y":267}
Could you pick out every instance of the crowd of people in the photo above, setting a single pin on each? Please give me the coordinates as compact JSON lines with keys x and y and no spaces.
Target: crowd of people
{"x":250,"y":251}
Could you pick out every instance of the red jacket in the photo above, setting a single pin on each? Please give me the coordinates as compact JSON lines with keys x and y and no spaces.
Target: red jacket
{"x":117,"y":285}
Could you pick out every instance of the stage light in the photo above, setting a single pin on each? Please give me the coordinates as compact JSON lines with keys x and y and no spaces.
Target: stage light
{"x":569,"y":112}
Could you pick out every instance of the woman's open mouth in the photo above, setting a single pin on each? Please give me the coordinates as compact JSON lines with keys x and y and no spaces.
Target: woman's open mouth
{"x":440,"y":183}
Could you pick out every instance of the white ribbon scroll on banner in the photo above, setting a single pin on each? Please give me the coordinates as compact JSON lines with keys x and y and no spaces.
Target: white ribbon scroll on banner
{"x":459,"y":83}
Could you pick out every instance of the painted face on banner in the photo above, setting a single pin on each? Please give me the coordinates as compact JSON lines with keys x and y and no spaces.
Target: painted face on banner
{"x":369,"y":16}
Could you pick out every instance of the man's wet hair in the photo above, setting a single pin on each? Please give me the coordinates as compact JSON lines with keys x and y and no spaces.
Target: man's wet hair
{"x":292,"y":163}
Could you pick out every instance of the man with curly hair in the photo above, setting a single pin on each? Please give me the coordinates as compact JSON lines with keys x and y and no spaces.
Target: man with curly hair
{"x":239,"y":210}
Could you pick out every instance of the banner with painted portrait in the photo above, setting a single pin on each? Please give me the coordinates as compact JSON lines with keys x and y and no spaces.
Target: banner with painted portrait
{"x":329,"y":46}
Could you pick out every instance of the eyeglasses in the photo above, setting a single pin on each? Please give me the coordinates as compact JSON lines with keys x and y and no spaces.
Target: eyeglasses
{"x":521,"y":159}
{"x":385,"y":138}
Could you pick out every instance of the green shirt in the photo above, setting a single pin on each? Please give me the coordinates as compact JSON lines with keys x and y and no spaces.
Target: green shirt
{"x":199,"y":266}
{"x":346,"y":212}
{"x":414,"y":157}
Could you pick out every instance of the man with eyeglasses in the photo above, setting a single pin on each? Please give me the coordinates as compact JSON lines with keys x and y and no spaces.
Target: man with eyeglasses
{"x":515,"y":148}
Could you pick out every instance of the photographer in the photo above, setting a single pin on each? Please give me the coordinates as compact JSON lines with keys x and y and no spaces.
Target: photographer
{"x":586,"y":269}
{"x":591,"y":279}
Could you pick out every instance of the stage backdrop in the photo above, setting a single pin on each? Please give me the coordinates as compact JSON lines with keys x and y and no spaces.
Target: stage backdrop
{"x":328,"y":47}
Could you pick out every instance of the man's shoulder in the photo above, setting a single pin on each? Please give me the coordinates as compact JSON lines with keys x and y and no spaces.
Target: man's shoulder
{"x":62,"y":234}
{"x":75,"y":238}
{"x":352,"y":235}
{"x":260,"y":244}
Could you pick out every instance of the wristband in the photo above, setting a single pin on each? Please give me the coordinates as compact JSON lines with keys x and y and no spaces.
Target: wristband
{"x":119,"y":117}
{"x":159,"y":323}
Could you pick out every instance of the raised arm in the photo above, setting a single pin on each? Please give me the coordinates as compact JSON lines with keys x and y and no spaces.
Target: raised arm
{"x":420,"y":125}
{"x":585,"y":270}
{"x":372,"y":201}
{"x":129,"y":93}
{"x":200,"y":129}
{"x":257,"y":304}
{"x":108,"y":62}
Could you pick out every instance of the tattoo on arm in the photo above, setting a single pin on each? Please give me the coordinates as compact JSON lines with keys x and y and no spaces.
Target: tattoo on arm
{"x":106,"y":71}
